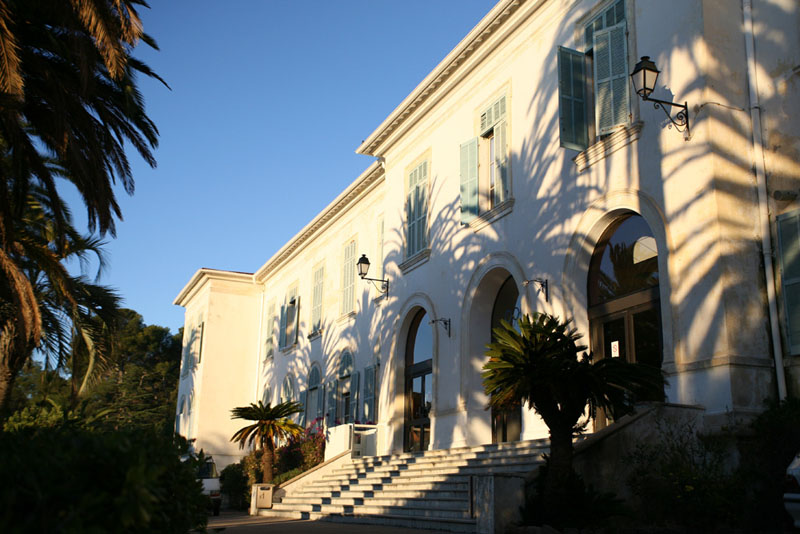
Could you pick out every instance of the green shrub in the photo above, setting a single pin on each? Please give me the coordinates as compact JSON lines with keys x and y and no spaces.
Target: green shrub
{"x":72,"y":480}
{"x":233,"y":483}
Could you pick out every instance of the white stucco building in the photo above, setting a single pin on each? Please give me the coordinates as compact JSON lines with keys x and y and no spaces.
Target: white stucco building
{"x":525,"y":174}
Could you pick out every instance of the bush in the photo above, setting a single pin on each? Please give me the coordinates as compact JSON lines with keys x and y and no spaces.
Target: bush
{"x":234,"y":484}
{"x":302,"y":452}
{"x":69,"y":479}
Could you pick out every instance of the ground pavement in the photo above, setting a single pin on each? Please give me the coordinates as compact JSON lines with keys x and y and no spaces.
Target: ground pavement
{"x":241,"y":523}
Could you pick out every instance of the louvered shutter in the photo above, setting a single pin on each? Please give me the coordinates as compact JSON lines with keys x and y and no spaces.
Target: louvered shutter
{"x":316,"y":305}
{"x":302,"y":421}
{"x":469,"y":180}
{"x":572,"y":99}
{"x":282,"y":333}
{"x":611,"y":78}
{"x":501,"y":160}
{"x":295,"y":321}
{"x":789,"y":259}
{"x":422,"y":187}
{"x":330,"y":402}
{"x":354,"y":397}
{"x":369,"y":394}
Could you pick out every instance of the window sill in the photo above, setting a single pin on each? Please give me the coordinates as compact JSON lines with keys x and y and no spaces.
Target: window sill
{"x":415,"y":261}
{"x":486,"y":218}
{"x":315,"y":334}
{"x":288,"y":348}
{"x":346,"y":317}
{"x":608,"y":145}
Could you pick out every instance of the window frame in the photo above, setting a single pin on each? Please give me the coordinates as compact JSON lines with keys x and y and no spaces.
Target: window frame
{"x":317,"y":298}
{"x":348,"y":292}
{"x":417,"y":207}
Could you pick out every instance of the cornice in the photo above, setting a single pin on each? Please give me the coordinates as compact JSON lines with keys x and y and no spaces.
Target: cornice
{"x":368,"y":180}
{"x":204,"y":275}
{"x":451,"y":67}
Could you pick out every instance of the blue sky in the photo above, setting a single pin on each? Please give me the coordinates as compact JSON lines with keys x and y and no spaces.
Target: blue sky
{"x":269,"y":101}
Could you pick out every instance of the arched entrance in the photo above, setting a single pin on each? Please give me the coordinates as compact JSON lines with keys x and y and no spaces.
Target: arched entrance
{"x":418,"y":383}
{"x":506,"y":424}
{"x":623,"y":293}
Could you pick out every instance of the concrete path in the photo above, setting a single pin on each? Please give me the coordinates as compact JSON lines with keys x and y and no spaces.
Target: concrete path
{"x":241,"y":523}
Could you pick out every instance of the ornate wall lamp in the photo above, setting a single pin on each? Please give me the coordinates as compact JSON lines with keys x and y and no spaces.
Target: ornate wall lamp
{"x":363,"y":269}
{"x":644,"y":77}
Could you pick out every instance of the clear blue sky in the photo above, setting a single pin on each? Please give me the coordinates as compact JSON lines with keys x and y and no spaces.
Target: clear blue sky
{"x":269,"y":101}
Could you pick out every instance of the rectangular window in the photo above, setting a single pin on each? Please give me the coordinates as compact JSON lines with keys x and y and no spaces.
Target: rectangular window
{"x":593,"y":86}
{"x":789,"y":263}
{"x":269,"y":345}
{"x":349,"y":278}
{"x":316,"y":306}
{"x":417,"y":210}
{"x":370,"y":416}
{"x":290,"y":314}
{"x":484,"y":164}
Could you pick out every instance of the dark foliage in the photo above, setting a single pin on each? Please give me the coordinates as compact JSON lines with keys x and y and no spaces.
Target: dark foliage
{"x":233,"y":483}
{"x":72,"y":480}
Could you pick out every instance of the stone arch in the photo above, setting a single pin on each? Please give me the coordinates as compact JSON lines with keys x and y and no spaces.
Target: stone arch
{"x":597,"y":218}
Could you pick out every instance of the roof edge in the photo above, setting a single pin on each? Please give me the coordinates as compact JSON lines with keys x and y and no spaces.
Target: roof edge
{"x":204,"y":274}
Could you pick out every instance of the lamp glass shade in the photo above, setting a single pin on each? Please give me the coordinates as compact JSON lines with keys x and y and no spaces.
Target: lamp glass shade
{"x":644,"y":77}
{"x":363,"y":266}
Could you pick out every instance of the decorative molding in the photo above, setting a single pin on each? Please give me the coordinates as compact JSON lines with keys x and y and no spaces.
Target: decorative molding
{"x":718,"y":361}
{"x":608,"y":145}
{"x":415,"y":261}
{"x":488,"y":217}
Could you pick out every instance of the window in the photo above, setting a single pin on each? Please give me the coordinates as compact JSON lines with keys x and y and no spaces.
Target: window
{"x":347,"y":406}
{"x":287,"y":391}
{"x":314,"y":398}
{"x":290,"y":315}
{"x":269,"y":345}
{"x":484,"y":164}
{"x":789,"y":263}
{"x":370,"y":393}
{"x":349,"y":278}
{"x":417,"y":210}
{"x":316,"y":304}
{"x":593,"y":85}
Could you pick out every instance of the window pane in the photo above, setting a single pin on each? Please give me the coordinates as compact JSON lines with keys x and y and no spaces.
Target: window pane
{"x":647,"y":337}
{"x":614,"y":339}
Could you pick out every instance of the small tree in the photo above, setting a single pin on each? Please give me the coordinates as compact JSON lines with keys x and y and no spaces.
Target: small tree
{"x":543,"y":366}
{"x":270,"y":422}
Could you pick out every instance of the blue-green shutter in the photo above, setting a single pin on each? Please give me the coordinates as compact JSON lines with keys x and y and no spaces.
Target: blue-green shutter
{"x":330,"y":402}
{"x":320,"y":402}
{"x":302,"y":421}
{"x":573,"y":126}
{"x":282,"y":333}
{"x":469,"y":180}
{"x":354,"y":397}
{"x":369,"y":395}
{"x":501,"y":161}
{"x":611,"y":78}
{"x":789,"y":260}
{"x":296,"y":321}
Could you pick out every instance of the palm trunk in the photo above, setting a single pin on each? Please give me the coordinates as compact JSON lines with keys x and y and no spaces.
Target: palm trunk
{"x":267,"y":459}
{"x":559,"y":470}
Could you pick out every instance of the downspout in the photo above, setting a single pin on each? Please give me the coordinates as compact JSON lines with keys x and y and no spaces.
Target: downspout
{"x":763,"y":208}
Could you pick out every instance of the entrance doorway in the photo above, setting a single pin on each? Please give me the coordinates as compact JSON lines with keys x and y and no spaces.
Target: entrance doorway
{"x":418,"y":384}
{"x":506,"y":424}
{"x":624,"y":307}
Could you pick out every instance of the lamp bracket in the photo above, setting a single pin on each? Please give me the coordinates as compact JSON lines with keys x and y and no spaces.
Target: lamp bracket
{"x":445,"y":324}
{"x":383,"y":288}
{"x":681,"y":120}
{"x":543,"y":286}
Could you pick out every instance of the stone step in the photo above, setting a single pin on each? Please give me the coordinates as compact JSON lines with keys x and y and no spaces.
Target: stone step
{"x":370,"y":509}
{"x":459,"y":504}
{"x":357,"y":493}
{"x":429,"y":523}
{"x":499,"y":448}
{"x":429,"y":475}
{"x":445,"y":462}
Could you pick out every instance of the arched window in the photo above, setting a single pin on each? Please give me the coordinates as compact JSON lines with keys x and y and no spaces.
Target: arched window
{"x":287,"y":391}
{"x":418,"y":382}
{"x":346,"y":364}
{"x":624,"y":311}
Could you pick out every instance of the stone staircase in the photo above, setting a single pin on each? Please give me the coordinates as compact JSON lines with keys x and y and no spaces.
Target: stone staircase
{"x":428,"y":490}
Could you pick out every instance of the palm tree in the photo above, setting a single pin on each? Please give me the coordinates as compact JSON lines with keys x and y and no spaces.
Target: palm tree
{"x":71,"y":314}
{"x":542,"y":365}
{"x":69,"y":104}
{"x":271,"y":422}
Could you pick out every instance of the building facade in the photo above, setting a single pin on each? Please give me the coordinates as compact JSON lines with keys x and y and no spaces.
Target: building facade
{"x":524,"y":174}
